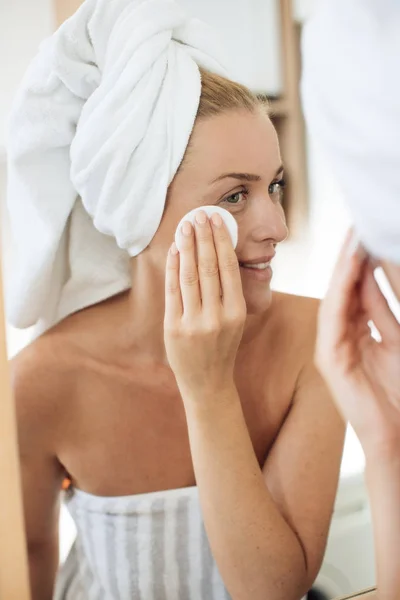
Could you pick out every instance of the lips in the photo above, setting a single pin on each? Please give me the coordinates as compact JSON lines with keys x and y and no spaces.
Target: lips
{"x":260,"y":263}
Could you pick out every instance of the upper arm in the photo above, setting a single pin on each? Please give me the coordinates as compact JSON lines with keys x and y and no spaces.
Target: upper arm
{"x":41,"y":473}
{"x":302,"y":468}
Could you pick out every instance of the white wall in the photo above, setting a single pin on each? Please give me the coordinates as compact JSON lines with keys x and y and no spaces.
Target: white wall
{"x":23,"y":24}
{"x":248,"y":33}
{"x":303,"y":8}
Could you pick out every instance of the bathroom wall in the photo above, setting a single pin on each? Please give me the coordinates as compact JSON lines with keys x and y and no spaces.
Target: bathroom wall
{"x":23,"y":25}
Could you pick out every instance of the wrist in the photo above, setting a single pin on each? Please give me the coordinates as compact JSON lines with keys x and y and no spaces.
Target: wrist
{"x":207,"y":392}
{"x":210,"y":398}
{"x":379,"y":438}
{"x":380,"y":453}
{"x":382,"y":474}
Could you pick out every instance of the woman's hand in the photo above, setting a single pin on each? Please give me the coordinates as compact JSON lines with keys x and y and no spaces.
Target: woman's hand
{"x":363,"y":374}
{"x":205,"y":308}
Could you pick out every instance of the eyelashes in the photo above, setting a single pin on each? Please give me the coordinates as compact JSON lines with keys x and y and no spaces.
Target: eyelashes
{"x":244,"y":191}
{"x":275,"y":190}
{"x":280,"y":182}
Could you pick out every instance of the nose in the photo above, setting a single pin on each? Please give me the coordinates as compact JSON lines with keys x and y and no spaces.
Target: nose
{"x":269,"y":221}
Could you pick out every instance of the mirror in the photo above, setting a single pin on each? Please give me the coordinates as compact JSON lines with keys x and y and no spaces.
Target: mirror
{"x":118,"y":434}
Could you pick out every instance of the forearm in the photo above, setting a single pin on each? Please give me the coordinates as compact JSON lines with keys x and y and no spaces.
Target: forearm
{"x":383,"y":481}
{"x":258,"y":554}
{"x":43,"y":565}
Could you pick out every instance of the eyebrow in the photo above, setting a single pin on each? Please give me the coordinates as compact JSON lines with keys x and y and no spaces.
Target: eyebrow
{"x":245,"y":176}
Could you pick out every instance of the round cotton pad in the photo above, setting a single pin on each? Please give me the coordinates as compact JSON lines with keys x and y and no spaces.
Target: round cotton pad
{"x":228,"y":219}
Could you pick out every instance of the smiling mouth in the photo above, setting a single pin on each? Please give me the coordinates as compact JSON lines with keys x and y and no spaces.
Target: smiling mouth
{"x":257,"y":266}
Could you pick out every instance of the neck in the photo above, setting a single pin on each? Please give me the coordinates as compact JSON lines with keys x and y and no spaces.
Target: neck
{"x":146,"y":307}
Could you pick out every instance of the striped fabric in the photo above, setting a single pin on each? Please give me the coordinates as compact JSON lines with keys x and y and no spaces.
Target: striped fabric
{"x":144,"y":547}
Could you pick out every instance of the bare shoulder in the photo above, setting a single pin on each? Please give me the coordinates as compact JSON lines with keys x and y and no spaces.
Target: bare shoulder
{"x":292,"y":329}
{"x":41,"y":380}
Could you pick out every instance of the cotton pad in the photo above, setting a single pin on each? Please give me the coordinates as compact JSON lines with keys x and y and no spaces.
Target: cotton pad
{"x":228,"y":219}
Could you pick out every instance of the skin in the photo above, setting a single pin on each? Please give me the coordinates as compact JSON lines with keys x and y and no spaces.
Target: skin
{"x":113,"y":396}
{"x":364,"y":377}
{"x":393,"y":274}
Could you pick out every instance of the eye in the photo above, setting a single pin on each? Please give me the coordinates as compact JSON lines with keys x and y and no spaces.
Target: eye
{"x":276,"y":189}
{"x":237,"y":197}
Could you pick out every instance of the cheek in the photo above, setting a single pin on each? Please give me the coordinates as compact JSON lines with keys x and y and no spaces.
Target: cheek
{"x":244,"y":234}
{"x":175,"y":209}
{"x":165,"y":230}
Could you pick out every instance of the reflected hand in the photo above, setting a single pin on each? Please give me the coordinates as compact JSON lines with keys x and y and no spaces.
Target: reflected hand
{"x":363,"y":374}
{"x":202,"y":326}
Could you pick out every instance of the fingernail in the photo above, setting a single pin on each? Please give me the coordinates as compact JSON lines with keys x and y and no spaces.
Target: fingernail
{"x":216,"y":219}
{"x":174,"y":249}
{"x":186,"y":228}
{"x":201,"y":217}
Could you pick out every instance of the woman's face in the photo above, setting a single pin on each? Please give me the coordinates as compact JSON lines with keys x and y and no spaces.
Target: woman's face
{"x":234,"y":162}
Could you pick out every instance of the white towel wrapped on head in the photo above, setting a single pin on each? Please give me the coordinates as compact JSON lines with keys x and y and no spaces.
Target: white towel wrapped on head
{"x":97,"y":132}
{"x":351,"y":94}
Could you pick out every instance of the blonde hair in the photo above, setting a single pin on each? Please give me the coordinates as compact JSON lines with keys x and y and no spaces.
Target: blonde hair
{"x":219,"y":95}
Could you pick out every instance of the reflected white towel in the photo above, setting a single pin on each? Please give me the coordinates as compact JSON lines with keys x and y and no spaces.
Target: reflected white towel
{"x":104,"y":112}
{"x":351,"y":95}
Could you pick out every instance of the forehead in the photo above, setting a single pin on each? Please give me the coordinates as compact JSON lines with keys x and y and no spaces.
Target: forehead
{"x":236,"y":142}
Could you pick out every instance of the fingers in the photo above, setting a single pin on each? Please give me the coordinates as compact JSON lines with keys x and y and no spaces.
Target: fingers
{"x":229,"y":272}
{"x":340,"y":315}
{"x":188,"y":274}
{"x":208,"y":267}
{"x":377,"y":309}
{"x":342,"y":299}
{"x":216,"y":269}
{"x":173,"y":298}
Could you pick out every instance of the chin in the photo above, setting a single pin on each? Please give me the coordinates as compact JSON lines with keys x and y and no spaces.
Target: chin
{"x":257,"y":302}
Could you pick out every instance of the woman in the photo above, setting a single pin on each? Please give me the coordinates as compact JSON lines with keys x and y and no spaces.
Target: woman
{"x":169,"y":407}
{"x":360,"y":137}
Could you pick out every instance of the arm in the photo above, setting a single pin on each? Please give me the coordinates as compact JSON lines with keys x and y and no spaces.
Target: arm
{"x":40,"y":471}
{"x":364,"y":376}
{"x":267,"y":529}
{"x":383,"y":481}
{"x":267,"y":532}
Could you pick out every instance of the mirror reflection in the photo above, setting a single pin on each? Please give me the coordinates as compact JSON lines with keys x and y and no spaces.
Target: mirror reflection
{"x":176,"y":437}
